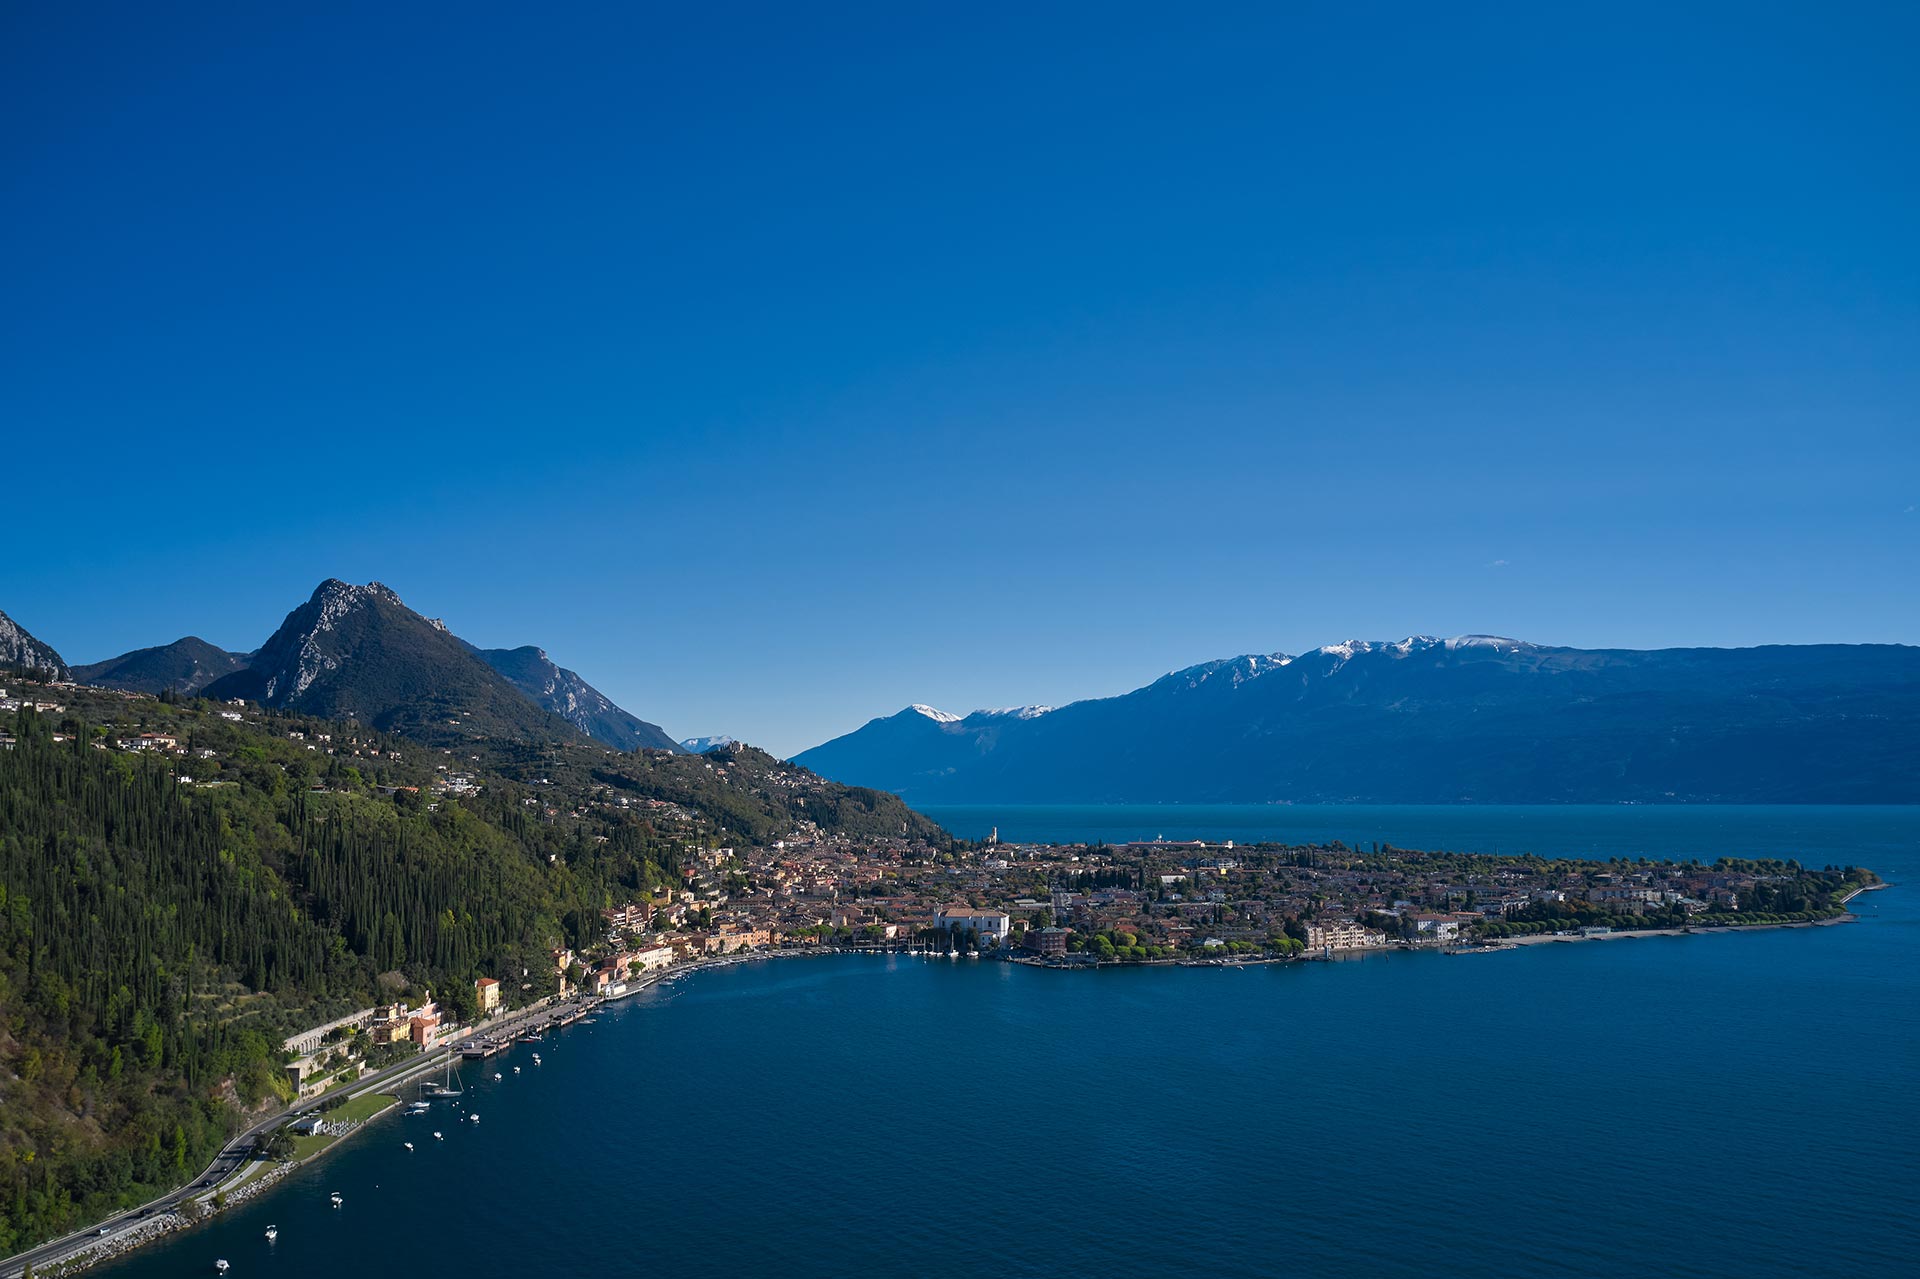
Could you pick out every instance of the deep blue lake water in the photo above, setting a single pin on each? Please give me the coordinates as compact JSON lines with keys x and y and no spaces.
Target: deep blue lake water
{"x":1735,"y":1105}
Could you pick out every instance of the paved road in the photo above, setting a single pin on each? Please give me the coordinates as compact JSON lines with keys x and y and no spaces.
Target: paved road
{"x":237,"y":1151}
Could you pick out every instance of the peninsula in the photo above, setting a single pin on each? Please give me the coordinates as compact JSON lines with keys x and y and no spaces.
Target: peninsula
{"x":211,"y":911}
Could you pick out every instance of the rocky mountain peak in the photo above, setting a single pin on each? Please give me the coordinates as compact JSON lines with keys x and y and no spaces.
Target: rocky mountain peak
{"x":19,"y":648}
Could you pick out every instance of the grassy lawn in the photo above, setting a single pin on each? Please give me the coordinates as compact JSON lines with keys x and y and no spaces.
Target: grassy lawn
{"x":364,"y":1108}
{"x":360,"y":1109}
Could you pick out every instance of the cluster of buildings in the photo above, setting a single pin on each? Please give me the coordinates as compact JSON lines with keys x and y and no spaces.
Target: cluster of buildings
{"x":322,"y":1054}
{"x":11,"y":701}
{"x":1046,"y":900}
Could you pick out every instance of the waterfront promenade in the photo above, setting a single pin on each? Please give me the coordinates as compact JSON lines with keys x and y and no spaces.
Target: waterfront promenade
{"x":234,"y":1166}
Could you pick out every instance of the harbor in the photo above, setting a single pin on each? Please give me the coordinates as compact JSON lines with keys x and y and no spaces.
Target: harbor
{"x":480,"y":1047}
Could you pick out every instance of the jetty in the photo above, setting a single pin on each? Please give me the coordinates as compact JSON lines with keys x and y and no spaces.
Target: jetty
{"x":528,"y":1030}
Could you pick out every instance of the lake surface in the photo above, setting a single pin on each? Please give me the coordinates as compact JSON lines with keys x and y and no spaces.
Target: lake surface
{"x":1734,"y":1105}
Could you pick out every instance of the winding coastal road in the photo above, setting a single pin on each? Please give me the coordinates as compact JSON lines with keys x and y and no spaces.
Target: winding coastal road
{"x":237,"y":1152}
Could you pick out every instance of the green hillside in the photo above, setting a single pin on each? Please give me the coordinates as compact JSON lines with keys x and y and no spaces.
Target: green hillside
{"x":166,"y":919}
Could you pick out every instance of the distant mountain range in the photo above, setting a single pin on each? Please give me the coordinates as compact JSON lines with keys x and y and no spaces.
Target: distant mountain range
{"x":1423,"y":720}
{"x":1475,"y":719}
{"x":582,"y":705}
{"x":358,"y":652}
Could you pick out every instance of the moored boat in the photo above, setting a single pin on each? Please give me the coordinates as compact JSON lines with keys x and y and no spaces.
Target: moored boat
{"x":444,"y":1088}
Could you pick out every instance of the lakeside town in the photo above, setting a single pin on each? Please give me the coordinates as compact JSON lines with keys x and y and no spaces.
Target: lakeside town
{"x":621,"y":869}
{"x":1091,"y":905}
{"x":1168,"y":901}
{"x":1062,"y":905}
{"x":811,"y":885}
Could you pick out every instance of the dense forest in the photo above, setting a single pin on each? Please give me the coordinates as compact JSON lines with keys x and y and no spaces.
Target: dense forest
{"x":127,"y":918}
{"x":166,"y":919}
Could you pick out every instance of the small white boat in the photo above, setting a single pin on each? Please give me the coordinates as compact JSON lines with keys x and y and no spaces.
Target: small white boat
{"x":407,"y":1144}
{"x":496,"y":1074}
{"x":273,"y":1233}
{"x":516,"y":1070}
{"x":475,"y":1118}
{"x":221,"y":1267}
{"x":437,"y":1136}
{"x":536,"y":1059}
{"x":337,"y":1200}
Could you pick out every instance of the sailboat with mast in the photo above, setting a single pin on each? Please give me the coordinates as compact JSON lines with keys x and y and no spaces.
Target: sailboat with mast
{"x":431,"y":1089}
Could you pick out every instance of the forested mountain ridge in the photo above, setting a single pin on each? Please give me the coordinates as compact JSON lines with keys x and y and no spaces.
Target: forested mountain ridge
{"x":186,"y":666}
{"x":169,"y":914}
{"x":19,"y":650}
{"x":744,"y":790}
{"x":1477,"y":719}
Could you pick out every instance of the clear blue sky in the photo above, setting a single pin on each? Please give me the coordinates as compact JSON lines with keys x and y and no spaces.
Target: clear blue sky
{"x":777,"y":366}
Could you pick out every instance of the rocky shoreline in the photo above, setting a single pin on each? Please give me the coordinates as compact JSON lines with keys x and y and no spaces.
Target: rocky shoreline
{"x":173,"y":1221}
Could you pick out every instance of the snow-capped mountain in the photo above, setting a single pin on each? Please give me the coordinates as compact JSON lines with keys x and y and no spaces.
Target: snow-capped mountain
{"x":19,"y":649}
{"x":701,"y":745}
{"x":1477,"y":718}
{"x":1001,"y":712}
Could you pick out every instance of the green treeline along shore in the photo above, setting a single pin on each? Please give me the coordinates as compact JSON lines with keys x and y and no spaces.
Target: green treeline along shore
{"x":167,"y":919}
